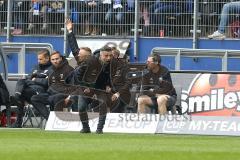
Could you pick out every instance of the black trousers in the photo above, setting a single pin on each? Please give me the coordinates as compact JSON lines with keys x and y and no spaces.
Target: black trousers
{"x":39,"y":102}
{"x":104,"y":103}
{"x":57,"y":102}
{"x":26,"y":90}
{"x":118,"y":106}
{"x":25,"y":96}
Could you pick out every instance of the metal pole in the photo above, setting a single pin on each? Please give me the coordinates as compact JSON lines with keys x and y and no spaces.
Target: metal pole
{"x":136,"y":25}
{"x":9,"y":20}
{"x":65,"y":44}
{"x":21,"y":60}
{"x":195,"y":24}
{"x":178,"y":61}
{"x":225,"y":61}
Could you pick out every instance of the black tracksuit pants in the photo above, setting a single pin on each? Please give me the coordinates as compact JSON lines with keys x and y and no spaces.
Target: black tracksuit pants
{"x":39,"y":102}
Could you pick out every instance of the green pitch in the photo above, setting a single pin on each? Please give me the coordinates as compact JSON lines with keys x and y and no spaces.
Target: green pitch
{"x":39,"y":144}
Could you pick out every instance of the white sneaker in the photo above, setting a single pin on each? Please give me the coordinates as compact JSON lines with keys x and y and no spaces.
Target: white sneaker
{"x":44,"y":27}
{"x":104,"y":34}
{"x":30,"y":26}
{"x":217,"y":35}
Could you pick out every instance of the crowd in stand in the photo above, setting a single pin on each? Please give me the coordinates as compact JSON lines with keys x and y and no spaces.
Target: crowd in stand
{"x":113,"y":17}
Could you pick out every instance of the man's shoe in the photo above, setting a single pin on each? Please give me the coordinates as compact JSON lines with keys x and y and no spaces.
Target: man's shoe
{"x":85,"y":130}
{"x":15,"y":101}
{"x":30,"y":26}
{"x":44,"y":27}
{"x":99,"y":131}
{"x":16,"y":125}
{"x":17,"y":32}
{"x":217,"y":35}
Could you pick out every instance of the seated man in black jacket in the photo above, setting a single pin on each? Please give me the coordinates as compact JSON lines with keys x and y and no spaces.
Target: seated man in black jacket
{"x":33,"y":84}
{"x":156,"y":89}
{"x":56,"y":100}
{"x":57,"y":76}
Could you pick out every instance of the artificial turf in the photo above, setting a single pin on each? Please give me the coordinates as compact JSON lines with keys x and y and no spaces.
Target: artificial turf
{"x":39,"y":144}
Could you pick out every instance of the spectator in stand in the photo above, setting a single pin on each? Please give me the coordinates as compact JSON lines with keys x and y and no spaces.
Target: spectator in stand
{"x":228,"y":9}
{"x":158,"y":12}
{"x":79,"y":14}
{"x":106,"y":5}
{"x":93,"y":18}
{"x":3,"y":17}
{"x":19,"y":19}
{"x":39,"y":8}
{"x":130,"y":16}
{"x":115,"y":15}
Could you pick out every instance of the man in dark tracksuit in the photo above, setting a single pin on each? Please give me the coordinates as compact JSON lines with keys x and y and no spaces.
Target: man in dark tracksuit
{"x":118,"y":73}
{"x":80,"y":55}
{"x":33,"y":84}
{"x":98,"y":77}
{"x":60,"y":70}
{"x":120,"y":86}
{"x":157,"y":88}
{"x":94,"y":77}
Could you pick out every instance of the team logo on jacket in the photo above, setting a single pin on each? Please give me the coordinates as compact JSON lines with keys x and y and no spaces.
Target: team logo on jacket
{"x":94,"y":72}
{"x":213,"y":95}
{"x":118,"y":73}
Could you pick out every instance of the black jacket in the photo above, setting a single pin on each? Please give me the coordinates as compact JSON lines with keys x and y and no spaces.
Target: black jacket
{"x":40,"y":73}
{"x":95,"y":75}
{"x":87,"y":73}
{"x":58,"y":75}
{"x":73,"y":44}
{"x":158,"y":83}
{"x":4,"y":94}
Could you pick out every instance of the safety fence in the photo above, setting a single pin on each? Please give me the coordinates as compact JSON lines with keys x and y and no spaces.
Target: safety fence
{"x":155,"y":18}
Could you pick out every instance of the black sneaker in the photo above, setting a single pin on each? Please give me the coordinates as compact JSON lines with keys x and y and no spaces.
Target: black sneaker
{"x":85,"y":130}
{"x":15,"y":101}
{"x":179,"y":109}
{"x":16,"y":125}
{"x":99,"y":131}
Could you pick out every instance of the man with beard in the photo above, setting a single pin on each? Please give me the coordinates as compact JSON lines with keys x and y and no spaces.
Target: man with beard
{"x":60,"y":70}
{"x":81,"y":55}
{"x":96,"y":77}
{"x":98,"y":80}
{"x":157,"y":91}
{"x":57,"y":100}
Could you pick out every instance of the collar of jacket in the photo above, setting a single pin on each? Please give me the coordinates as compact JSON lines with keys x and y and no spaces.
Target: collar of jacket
{"x":43,"y":66}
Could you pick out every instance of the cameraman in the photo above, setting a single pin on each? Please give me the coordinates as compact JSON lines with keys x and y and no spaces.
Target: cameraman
{"x":34,"y":83}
